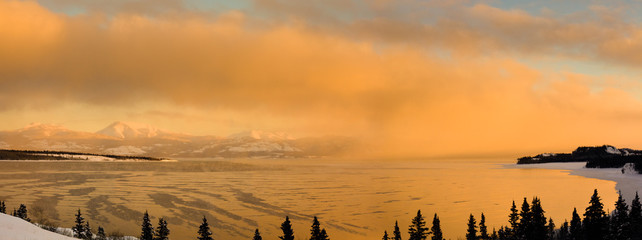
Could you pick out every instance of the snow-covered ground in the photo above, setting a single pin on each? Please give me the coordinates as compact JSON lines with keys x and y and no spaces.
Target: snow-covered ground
{"x":627,"y":181}
{"x":13,"y":228}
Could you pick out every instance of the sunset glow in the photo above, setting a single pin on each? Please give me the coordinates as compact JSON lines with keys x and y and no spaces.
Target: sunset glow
{"x":406,"y":78}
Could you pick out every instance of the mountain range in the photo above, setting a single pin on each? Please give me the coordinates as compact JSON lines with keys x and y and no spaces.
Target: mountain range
{"x":135,"y":139}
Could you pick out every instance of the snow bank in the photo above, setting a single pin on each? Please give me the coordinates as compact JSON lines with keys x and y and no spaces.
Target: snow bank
{"x":13,"y":228}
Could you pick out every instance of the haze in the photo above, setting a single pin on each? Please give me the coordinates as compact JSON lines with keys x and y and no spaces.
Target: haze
{"x":409,"y":78}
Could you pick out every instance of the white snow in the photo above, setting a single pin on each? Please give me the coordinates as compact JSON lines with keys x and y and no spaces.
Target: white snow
{"x":130,"y":130}
{"x":263,"y":146}
{"x":612,"y":150}
{"x":13,"y":228}
{"x":258,"y":134}
{"x":125,"y":150}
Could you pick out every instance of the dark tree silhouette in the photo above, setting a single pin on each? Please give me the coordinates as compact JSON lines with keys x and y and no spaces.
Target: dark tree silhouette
{"x":147,"y":231}
{"x":524,"y":228}
{"x":619,"y":224}
{"x":204,"y":231}
{"x":483,"y":230}
{"x":595,"y":220}
{"x":88,"y":234}
{"x":79,"y":228}
{"x":385,"y":236}
{"x":563,"y":234}
{"x":513,"y":220}
{"x":315,"y":229}
{"x":576,"y":230}
{"x":635,"y":218}
{"x":3,"y":208}
{"x":257,"y":235}
{"x":22,"y":213}
{"x":471,"y":233}
{"x":286,"y":227}
{"x":100,"y":235}
{"x":418,"y":230}
{"x":550,"y":229}
{"x":538,"y":229}
{"x":436,"y":229}
{"x":396,"y":234}
{"x":493,"y":235}
{"x":324,"y":235}
{"x":162,"y":232}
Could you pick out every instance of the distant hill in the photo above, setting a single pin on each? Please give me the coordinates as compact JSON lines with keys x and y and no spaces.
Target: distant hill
{"x":6,"y":154}
{"x":133,"y":139}
{"x":605,"y":156}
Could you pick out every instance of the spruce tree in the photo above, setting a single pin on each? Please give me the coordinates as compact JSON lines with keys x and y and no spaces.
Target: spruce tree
{"x":162,"y":232}
{"x":100,"y":235}
{"x":204,"y":231}
{"x":3,"y":208}
{"x":524,"y":228}
{"x":88,"y":234}
{"x":563,"y":234}
{"x":595,"y":221}
{"x":436,"y":229}
{"x":576,"y":230}
{"x":22,"y":213}
{"x":315,"y":229}
{"x":538,"y":229}
{"x":471,"y":233}
{"x":483,"y":230}
{"x":418,"y":230}
{"x":635,"y":218}
{"x":503,"y":233}
{"x":513,"y":220}
{"x":493,"y":235}
{"x":323,"y":235}
{"x":550,"y":229}
{"x":396,"y":234}
{"x":286,"y":227}
{"x":147,"y":231}
{"x":257,"y":235}
{"x":79,"y":228}
{"x":619,"y":224}
{"x":385,"y":236}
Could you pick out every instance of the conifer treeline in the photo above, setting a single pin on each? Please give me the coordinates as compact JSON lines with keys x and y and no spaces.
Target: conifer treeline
{"x":527,"y":223}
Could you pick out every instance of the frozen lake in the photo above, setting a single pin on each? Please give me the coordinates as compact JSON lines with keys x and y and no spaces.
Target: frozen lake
{"x":353,"y":199}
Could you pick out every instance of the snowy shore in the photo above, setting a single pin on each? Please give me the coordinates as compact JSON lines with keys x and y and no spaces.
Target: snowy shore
{"x":13,"y":228}
{"x":628,"y":181}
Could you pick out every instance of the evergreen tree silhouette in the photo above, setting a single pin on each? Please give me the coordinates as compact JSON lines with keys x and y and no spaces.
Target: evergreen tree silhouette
{"x":3,"y":208}
{"x":100,"y":235}
{"x":576,"y":230}
{"x":323,"y":235}
{"x":286,"y":227}
{"x":538,"y":229}
{"x":483,"y":230}
{"x":418,"y":230}
{"x":88,"y":234}
{"x":436,"y":229}
{"x":635,"y":218}
{"x":22,"y":213}
{"x":147,"y":231}
{"x":524,"y":228}
{"x":257,"y":235}
{"x":595,"y":221}
{"x":493,"y":235}
{"x":471,"y":233}
{"x":204,"y":231}
{"x":385,"y":236}
{"x":315,"y":230}
{"x":162,"y":232}
{"x":563,"y":234}
{"x":550,"y":229}
{"x":79,"y":228}
{"x":396,"y":234}
{"x":513,"y":220}
{"x":503,"y":233}
{"x":619,"y":224}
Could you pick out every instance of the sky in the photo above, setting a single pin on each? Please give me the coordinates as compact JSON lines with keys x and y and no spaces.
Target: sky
{"x":409,"y":78}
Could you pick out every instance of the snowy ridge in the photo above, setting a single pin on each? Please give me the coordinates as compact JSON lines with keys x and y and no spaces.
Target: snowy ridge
{"x":261,"y":135}
{"x":130,"y":130}
{"x":13,"y":228}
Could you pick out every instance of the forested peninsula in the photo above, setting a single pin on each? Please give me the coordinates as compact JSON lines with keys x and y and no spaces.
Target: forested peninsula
{"x":605,"y":156}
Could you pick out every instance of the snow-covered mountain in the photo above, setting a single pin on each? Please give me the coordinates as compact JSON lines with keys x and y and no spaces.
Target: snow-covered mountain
{"x":125,"y":138}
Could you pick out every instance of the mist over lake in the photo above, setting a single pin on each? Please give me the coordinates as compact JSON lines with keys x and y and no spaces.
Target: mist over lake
{"x":352,"y":199}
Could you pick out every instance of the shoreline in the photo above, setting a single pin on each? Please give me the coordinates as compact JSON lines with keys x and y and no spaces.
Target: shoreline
{"x":628,"y":183}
